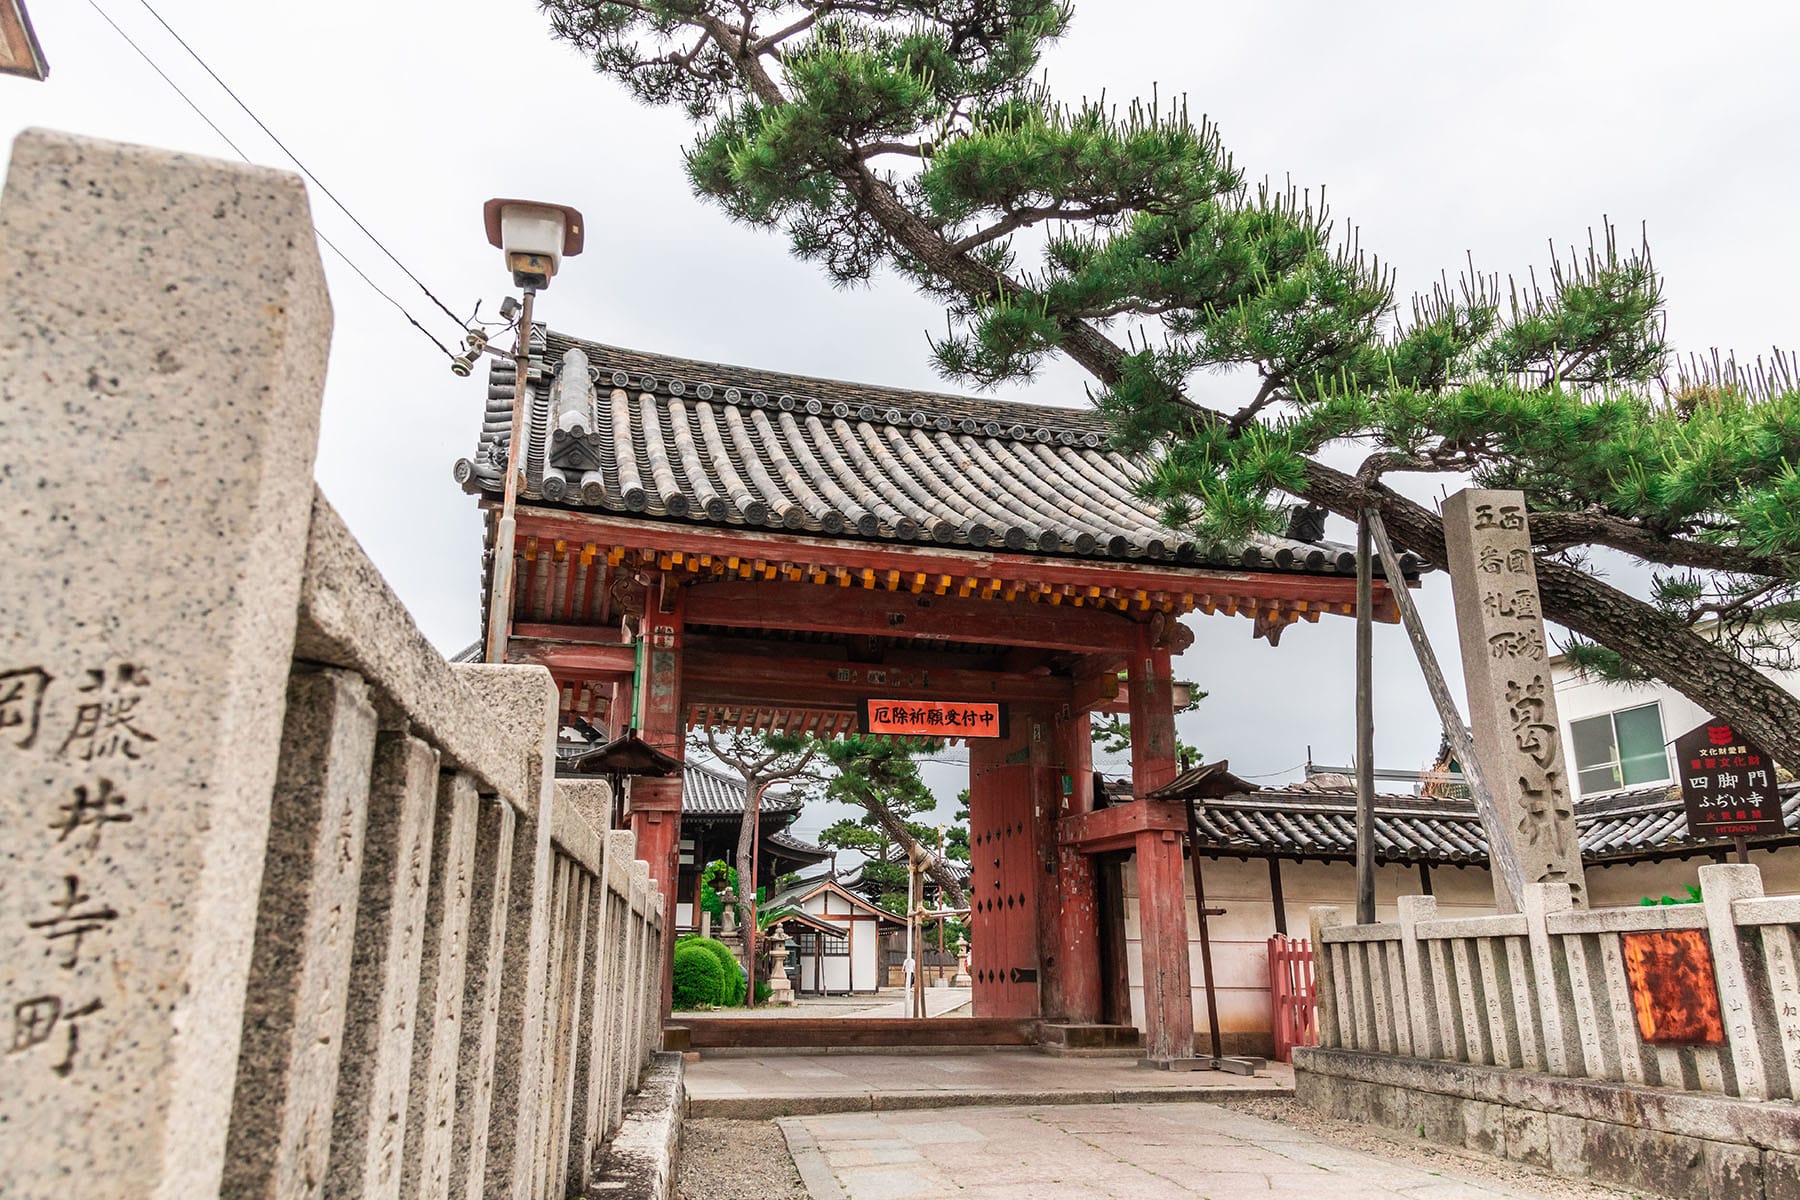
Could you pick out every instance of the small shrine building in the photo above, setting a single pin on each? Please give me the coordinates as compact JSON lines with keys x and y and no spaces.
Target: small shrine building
{"x":706,"y":545}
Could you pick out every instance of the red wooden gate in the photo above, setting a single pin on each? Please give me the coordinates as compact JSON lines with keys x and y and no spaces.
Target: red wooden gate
{"x":1293,"y":1000}
{"x":1003,"y":892}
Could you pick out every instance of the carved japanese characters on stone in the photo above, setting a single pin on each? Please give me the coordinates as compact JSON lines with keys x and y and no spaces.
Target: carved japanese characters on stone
{"x":22,"y":704}
{"x":1512,"y":703}
{"x":108,"y":722}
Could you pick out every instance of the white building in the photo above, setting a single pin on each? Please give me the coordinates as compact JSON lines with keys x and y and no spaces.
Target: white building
{"x":1617,"y":737}
{"x":838,"y":948}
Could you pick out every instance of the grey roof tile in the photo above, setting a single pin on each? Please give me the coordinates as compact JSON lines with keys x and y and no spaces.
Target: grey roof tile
{"x":1309,"y":821}
{"x":669,"y":438}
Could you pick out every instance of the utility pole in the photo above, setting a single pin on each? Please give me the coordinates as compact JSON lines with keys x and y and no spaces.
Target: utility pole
{"x":500,"y":600}
{"x":535,"y":238}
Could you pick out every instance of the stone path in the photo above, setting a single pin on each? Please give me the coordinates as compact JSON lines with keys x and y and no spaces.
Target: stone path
{"x":779,"y":1085}
{"x":1132,"y":1152}
{"x":939,"y":1001}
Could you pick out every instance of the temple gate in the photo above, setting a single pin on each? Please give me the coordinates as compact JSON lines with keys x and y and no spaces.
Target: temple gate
{"x":703,"y":545}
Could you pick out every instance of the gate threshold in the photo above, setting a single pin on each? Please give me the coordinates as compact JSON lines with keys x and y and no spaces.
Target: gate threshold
{"x":696,"y":1031}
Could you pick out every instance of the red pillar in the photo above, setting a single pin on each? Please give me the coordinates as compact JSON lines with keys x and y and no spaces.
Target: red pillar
{"x":1162,"y":891}
{"x":1069,"y":936}
{"x":654,"y":805}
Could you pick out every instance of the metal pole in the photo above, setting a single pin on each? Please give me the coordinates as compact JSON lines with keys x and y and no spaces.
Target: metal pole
{"x":1365,"y":725}
{"x":500,"y":601}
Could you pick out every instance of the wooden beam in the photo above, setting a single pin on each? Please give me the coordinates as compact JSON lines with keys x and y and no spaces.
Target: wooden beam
{"x":737,"y":605}
{"x":1118,"y":827}
{"x":827,"y":683}
{"x":938,"y":562}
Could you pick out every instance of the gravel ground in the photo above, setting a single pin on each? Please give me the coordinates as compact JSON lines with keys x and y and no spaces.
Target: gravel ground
{"x":736,"y":1160}
{"x":1427,"y":1155}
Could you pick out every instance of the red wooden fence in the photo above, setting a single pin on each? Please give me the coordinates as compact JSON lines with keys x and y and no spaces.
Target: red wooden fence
{"x":1291,"y":992}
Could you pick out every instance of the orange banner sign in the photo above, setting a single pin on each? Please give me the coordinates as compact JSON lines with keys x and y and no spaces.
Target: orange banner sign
{"x":934,"y":718}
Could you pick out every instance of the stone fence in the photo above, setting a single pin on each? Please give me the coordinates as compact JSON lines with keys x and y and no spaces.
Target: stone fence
{"x":1465,"y":1029}
{"x":1547,"y":990}
{"x":289,"y":906}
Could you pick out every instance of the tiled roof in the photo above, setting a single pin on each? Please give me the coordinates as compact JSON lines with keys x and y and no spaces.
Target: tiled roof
{"x":793,"y":845}
{"x":709,"y":792}
{"x":624,"y":431}
{"x":1317,"y":819}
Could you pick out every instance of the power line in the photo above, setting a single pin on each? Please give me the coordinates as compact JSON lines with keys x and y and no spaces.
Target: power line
{"x":303,"y":168}
{"x":238,"y":150}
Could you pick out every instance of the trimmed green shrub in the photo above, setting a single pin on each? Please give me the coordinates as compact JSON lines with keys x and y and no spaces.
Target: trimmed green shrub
{"x":697,"y":980}
{"x":734,"y":975}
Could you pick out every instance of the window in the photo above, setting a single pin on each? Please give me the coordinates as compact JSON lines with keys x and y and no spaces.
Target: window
{"x":1621,"y":749}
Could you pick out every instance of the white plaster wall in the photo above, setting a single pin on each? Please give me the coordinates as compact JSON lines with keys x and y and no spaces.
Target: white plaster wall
{"x":1579,"y":696}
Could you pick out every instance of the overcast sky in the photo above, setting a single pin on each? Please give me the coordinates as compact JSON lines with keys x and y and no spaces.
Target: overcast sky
{"x":1439,"y":129}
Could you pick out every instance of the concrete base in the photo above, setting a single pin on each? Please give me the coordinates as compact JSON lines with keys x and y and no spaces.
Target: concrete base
{"x":1647,"y":1139}
{"x":640,"y":1162}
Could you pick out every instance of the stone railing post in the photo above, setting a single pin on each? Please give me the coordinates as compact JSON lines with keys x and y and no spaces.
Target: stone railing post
{"x":1750,"y":1029}
{"x":524,"y":702}
{"x":163,"y":336}
{"x":443,"y":970}
{"x":1421,"y":1003}
{"x":1325,"y":977}
{"x":1550,"y":969}
{"x":374,"y":1080}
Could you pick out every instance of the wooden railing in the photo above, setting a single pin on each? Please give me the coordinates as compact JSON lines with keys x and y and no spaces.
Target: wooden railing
{"x":1548,"y":989}
{"x":291,"y":906}
{"x":1293,"y":997}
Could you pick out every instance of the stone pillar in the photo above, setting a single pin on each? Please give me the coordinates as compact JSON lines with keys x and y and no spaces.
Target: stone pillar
{"x":1162,"y":886}
{"x":163,"y":336}
{"x":1512,"y":702}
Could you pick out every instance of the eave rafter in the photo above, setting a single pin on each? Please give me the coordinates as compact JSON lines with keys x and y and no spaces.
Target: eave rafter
{"x":704,"y":555}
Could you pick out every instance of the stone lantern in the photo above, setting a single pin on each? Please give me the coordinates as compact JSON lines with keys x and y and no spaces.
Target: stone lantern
{"x":781,"y":992}
{"x":961,"y":978}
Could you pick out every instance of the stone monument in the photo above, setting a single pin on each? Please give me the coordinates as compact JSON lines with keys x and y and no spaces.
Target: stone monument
{"x":1506,"y":667}
{"x":162,"y":356}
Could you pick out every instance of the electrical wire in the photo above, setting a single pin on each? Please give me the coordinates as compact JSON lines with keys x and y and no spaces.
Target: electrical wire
{"x":332,"y":196}
{"x":238,"y":150}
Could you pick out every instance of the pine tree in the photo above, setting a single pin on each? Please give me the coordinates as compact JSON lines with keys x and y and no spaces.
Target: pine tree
{"x":915,"y":135}
{"x":880,"y":775}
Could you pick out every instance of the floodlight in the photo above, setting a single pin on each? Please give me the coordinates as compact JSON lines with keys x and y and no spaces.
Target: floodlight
{"x":534,"y":237}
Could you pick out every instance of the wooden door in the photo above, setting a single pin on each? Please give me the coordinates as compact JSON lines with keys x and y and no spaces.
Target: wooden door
{"x":1003,"y":892}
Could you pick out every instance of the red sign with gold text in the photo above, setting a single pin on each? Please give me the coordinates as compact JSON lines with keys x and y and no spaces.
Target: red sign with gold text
{"x":934,"y":718}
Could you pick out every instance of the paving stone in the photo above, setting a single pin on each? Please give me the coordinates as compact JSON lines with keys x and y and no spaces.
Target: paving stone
{"x":1131,"y":1152}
